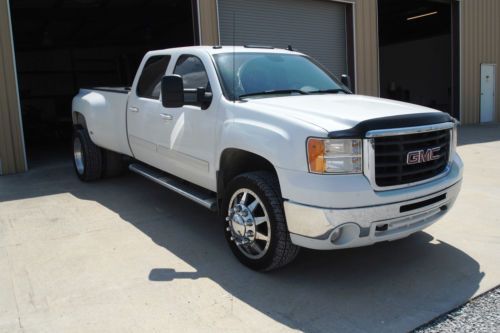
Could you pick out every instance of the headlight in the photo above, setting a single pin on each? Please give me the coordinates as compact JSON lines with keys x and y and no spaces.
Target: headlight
{"x":335,"y":156}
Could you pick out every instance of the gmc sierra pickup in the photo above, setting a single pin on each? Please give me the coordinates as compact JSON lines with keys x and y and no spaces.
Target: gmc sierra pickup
{"x":277,"y":145}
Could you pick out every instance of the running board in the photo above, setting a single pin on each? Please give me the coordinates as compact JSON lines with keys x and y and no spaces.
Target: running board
{"x":192,"y":192}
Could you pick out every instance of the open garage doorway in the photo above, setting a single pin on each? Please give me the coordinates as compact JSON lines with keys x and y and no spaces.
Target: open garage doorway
{"x":64,"y":45}
{"x":419,"y":52}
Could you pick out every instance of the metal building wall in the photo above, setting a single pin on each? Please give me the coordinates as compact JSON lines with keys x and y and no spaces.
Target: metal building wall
{"x":12,"y":154}
{"x":480,"y":43}
{"x":366,"y":40}
{"x":367,"y":55}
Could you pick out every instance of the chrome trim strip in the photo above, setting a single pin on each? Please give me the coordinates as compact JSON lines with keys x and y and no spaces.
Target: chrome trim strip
{"x":408,"y":130}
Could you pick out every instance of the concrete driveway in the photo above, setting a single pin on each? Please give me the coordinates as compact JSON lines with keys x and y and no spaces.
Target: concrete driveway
{"x":125,"y":255}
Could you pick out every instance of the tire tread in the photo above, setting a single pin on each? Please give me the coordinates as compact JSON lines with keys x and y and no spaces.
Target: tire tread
{"x":285,"y":251}
{"x":92,"y":156}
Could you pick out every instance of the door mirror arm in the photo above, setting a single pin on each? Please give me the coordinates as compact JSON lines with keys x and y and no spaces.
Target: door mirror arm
{"x":203,"y":98}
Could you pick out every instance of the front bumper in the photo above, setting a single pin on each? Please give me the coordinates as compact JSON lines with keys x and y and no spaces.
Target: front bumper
{"x":313,"y":227}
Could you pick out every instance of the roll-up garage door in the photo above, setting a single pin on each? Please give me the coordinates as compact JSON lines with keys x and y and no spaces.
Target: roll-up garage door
{"x":314,"y":27}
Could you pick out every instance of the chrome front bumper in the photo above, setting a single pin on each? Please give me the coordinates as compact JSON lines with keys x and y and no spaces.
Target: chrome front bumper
{"x":313,"y":227}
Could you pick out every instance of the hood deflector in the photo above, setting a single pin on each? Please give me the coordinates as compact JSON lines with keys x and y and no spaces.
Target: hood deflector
{"x":410,"y":120}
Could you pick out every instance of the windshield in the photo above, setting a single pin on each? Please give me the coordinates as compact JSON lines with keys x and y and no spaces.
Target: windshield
{"x":259,"y":74}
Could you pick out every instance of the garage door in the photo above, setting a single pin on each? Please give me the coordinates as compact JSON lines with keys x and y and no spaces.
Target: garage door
{"x":315,"y":27}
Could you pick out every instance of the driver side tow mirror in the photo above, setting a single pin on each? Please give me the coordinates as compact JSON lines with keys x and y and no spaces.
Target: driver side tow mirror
{"x":346,"y":81}
{"x":172,"y":91}
{"x":173,"y":94}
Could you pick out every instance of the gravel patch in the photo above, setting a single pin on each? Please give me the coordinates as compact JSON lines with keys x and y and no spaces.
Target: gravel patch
{"x":482,"y":314}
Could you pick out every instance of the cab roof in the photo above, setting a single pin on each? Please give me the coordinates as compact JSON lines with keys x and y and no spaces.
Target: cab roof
{"x":229,"y":49}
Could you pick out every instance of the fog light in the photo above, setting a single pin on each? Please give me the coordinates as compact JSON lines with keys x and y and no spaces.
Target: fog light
{"x":335,"y":234}
{"x":345,"y":234}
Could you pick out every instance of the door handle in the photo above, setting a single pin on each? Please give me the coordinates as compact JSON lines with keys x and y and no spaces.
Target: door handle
{"x":165,"y":116}
{"x":133,"y":109}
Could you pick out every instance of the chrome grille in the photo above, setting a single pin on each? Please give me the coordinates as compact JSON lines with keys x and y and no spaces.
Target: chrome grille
{"x":391,"y":167}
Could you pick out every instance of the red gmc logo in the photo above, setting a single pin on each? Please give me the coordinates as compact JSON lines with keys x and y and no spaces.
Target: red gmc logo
{"x":422,"y":156}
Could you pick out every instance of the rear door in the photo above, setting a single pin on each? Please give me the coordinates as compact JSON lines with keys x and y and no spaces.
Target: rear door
{"x":144,"y":109}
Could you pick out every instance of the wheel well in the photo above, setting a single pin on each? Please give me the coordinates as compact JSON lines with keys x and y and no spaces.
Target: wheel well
{"x":79,"y":119}
{"x":234,"y":162}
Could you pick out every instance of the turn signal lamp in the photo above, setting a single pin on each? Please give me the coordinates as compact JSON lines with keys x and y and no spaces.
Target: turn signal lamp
{"x":335,"y":156}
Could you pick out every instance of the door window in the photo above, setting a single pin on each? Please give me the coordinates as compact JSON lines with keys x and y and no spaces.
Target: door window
{"x":150,"y":80}
{"x":193,"y":72}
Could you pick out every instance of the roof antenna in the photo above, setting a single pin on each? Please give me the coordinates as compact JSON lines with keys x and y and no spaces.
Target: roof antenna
{"x":234,"y":57}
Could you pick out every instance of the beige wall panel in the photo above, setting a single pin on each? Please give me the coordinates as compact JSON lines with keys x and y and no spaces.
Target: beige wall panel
{"x":366,"y":37}
{"x":366,"y":40}
{"x":208,"y":22}
{"x":11,"y":138}
{"x":480,"y":43}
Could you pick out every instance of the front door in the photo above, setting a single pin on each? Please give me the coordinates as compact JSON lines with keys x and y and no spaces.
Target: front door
{"x":487,"y":93}
{"x":187,"y":146}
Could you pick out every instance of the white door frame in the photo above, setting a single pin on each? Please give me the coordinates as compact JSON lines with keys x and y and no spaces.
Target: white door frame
{"x":481,"y":91}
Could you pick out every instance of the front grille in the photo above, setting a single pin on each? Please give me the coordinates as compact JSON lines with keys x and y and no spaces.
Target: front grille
{"x":391,"y":167}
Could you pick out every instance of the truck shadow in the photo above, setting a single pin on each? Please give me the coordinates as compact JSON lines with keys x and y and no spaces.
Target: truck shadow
{"x":393,"y":286}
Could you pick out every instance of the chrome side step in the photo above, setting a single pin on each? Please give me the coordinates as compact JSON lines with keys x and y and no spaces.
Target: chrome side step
{"x":192,"y":192}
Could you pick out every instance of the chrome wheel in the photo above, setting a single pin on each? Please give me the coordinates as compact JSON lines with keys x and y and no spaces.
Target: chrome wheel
{"x":248,"y":223}
{"x":78,"y":156}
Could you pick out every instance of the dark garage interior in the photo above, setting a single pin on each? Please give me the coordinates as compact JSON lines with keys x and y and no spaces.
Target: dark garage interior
{"x":63,"y":45}
{"x":418,"y":57}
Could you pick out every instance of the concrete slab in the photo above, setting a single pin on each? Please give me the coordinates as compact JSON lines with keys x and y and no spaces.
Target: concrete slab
{"x":127,"y":255}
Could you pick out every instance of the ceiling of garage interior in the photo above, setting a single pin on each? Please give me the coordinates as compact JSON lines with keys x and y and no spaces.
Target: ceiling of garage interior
{"x":61,"y":23}
{"x":394,"y":26}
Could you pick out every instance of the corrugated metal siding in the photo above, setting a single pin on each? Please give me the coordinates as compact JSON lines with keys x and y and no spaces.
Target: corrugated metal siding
{"x":315,"y":27}
{"x":12,"y":155}
{"x":480,"y":43}
{"x":366,"y":40}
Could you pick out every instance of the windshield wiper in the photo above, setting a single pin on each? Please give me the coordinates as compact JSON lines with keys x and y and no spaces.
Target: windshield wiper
{"x":275,"y":92}
{"x":328,"y":91}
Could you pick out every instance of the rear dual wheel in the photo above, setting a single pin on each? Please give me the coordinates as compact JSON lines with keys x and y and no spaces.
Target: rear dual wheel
{"x":92,"y":162}
{"x":87,"y":157}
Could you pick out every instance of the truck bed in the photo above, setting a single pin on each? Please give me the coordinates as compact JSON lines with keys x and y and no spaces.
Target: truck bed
{"x":105,"y":111}
{"x":121,"y":90}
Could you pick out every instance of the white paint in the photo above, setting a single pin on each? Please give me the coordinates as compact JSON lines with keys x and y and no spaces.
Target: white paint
{"x":191,"y":142}
{"x":105,"y":116}
{"x":488,"y":79}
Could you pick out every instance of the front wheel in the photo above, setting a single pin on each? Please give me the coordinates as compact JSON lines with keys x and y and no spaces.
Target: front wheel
{"x":255,"y":224}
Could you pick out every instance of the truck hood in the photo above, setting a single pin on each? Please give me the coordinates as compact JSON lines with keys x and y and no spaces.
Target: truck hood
{"x":335,"y":112}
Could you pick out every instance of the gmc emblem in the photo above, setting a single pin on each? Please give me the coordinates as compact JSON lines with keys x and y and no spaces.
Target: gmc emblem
{"x":422,"y":156}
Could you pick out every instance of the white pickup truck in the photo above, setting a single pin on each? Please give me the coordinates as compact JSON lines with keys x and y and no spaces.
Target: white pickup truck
{"x":277,"y":145}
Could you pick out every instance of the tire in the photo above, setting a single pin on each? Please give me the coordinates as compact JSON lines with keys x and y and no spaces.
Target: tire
{"x":112,"y":164}
{"x":265,"y":220}
{"x":87,"y":157}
